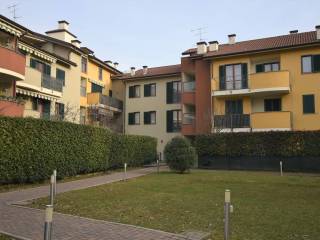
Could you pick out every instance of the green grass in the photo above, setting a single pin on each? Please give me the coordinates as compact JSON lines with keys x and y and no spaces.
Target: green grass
{"x":4,"y":237}
{"x":266,"y":206}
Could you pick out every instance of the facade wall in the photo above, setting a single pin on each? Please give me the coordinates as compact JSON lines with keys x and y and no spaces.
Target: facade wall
{"x":145,"y":104}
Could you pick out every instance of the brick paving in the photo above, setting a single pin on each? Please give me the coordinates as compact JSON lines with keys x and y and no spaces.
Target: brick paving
{"x":27,"y":223}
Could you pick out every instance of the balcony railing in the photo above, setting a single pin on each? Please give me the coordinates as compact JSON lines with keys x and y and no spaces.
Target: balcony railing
{"x":233,"y":83}
{"x":188,"y":118}
{"x":49,"y":82}
{"x":99,"y":98}
{"x":13,"y":61}
{"x":189,"y":86}
{"x":232,"y":121}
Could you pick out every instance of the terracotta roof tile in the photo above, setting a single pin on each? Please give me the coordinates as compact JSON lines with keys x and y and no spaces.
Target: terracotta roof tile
{"x":285,"y":41}
{"x":152,"y":72}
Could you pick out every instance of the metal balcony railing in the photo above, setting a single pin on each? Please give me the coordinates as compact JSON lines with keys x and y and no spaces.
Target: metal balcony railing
{"x":189,"y":86}
{"x":111,"y":101}
{"x":232,"y":121}
{"x":188,"y":118}
{"x":51,"y":83}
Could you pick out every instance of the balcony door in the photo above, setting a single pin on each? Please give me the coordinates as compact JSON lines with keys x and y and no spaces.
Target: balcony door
{"x":234,"y":107}
{"x":233,"y":77}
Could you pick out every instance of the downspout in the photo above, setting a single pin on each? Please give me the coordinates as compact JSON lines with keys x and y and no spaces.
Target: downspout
{"x":124,"y":108}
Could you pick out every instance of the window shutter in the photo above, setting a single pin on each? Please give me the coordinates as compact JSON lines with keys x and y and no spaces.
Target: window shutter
{"x":147,"y":90}
{"x":222,"y":77}
{"x":169,"y":121}
{"x":259,"y":68}
{"x":316,"y":63}
{"x":146,"y":118}
{"x":169,"y":92}
{"x":131,"y":118}
{"x":244,"y":71}
{"x":131,"y":92}
{"x":33,"y":63}
{"x":308,"y":104}
{"x":47,"y":69}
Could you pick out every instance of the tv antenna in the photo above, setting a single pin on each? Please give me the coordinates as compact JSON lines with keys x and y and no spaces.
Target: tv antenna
{"x":13,"y":9}
{"x":199,"y":32}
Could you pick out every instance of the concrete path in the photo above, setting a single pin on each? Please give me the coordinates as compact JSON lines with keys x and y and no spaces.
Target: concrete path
{"x":26,"y":223}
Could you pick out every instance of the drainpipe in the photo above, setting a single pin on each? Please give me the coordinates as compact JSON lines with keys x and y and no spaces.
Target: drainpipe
{"x":124,"y":107}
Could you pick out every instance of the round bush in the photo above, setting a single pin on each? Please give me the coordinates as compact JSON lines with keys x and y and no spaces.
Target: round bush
{"x":179,"y":154}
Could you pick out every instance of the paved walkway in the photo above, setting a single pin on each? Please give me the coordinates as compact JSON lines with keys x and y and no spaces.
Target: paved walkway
{"x":26,"y":223}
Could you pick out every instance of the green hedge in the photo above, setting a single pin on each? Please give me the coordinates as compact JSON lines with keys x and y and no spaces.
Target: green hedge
{"x":31,"y":148}
{"x":299,"y":151}
{"x":266,"y":144}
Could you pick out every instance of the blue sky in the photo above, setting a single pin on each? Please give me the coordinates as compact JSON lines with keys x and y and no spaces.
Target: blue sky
{"x":154,"y":33}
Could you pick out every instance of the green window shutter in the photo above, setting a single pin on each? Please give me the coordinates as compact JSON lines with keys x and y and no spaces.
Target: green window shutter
{"x":169,"y":92}
{"x":308,"y":104}
{"x":259,"y":68}
{"x":147,"y":118}
{"x":61,"y":75}
{"x":131,"y":118}
{"x":169,"y":121}
{"x":147,"y":90}
{"x":222,"y":77}
{"x":33,"y":63}
{"x":244,"y":71}
{"x":316,"y":63}
{"x":131,"y":92}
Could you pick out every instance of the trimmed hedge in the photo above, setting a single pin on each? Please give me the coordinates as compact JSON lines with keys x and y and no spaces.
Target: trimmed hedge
{"x":31,"y":148}
{"x":300,"y":150}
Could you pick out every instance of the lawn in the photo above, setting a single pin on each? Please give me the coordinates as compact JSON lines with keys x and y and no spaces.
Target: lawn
{"x":266,"y":206}
{"x":4,"y":237}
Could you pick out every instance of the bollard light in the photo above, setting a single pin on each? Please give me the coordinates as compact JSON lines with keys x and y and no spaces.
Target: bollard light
{"x":51,"y":189}
{"x":227,"y":196}
{"x":55,"y":182}
{"x":48,"y":222}
{"x":227,"y":210}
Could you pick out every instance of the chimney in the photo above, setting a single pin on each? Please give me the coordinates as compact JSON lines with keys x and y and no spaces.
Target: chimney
{"x":145,"y":70}
{"x":133,"y":71}
{"x":213,"y":46}
{"x":108,"y":62}
{"x":63,"y":24}
{"x":232,"y":38}
{"x":318,"y":32}
{"x":293,"y":31}
{"x":115,"y":64}
{"x":201,"y":47}
{"x":76,"y":43}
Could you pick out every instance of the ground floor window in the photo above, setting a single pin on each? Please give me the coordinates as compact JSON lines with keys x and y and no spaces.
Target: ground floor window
{"x":272,"y":105}
{"x":174,"y":120}
{"x":150,"y":117}
{"x":82,"y":115}
{"x":308,"y":104}
{"x":134,"y":118}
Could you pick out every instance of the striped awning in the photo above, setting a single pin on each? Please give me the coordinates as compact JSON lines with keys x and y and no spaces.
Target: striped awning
{"x":35,"y":94}
{"x":10,"y":29}
{"x":102,"y":84}
{"x":36,"y":52}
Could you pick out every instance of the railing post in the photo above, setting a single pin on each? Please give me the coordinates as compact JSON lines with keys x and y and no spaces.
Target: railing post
{"x":48,"y":222}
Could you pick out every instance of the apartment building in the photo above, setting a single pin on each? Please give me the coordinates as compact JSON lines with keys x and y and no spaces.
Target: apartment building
{"x":257,"y":85}
{"x":52,"y":86}
{"x":12,"y":69}
{"x":153,"y":102}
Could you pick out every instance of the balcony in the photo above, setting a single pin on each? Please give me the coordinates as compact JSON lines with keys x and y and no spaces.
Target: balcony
{"x":271,"y":121}
{"x":188,"y":124}
{"x":226,"y":86}
{"x":51,"y":83}
{"x":12,"y":64}
{"x":11,"y":107}
{"x":107,"y":101}
{"x":231,"y":121}
{"x":270,"y":82}
{"x":188,"y":94}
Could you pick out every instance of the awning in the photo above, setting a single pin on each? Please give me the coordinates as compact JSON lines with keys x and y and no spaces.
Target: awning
{"x":97,"y":82}
{"x":35,"y":94}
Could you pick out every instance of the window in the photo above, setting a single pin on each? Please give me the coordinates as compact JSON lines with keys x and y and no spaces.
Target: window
{"x":83,"y":87}
{"x":82,"y":115}
{"x":110,"y":93}
{"x":35,"y":104}
{"x":134,"y":91}
{"x":100,"y":73}
{"x":59,"y":110}
{"x":311,"y":64}
{"x":134,"y":118}
{"x":173,"y":92}
{"x":268,"y":67}
{"x":174,"y":120}
{"x":272,"y":105}
{"x":234,"y":107}
{"x":150,"y":90}
{"x":308,"y":104}
{"x":84,"y":65}
{"x":96,"y":88}
{"x":40,"y":66}
{"x":150,"y":117}
{"x":234,"y":76}
{"x":61,"y":75}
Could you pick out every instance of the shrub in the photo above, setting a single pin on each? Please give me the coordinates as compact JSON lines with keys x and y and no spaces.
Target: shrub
{"x":31,"y":148}
{"x":179,"y":154}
